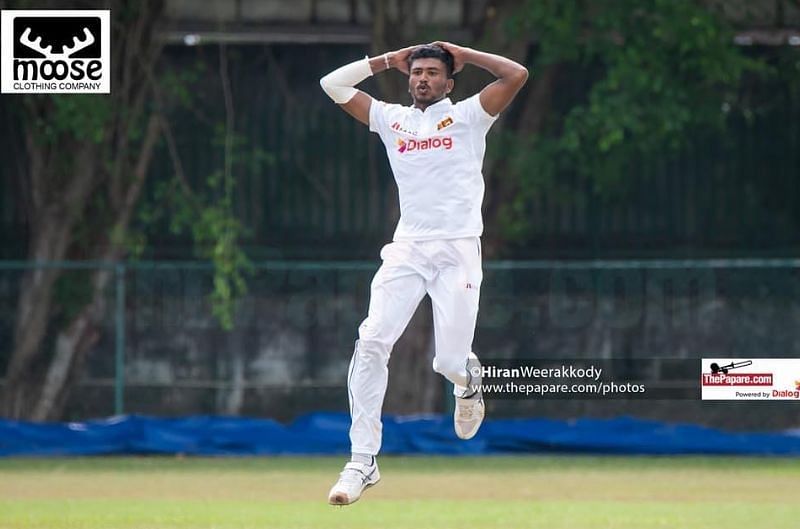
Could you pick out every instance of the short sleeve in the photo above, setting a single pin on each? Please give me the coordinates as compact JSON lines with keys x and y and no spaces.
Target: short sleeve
{"x":377,"y":116}
{"x":475,"y":114}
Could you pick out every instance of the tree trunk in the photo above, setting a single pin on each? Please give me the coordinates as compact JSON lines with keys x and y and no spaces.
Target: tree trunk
{"x":523,"y":116}
{"x":500,"y":191}
{"x":71,"y":343}
{"x":33,"y":311}
{"x":74,"y":341}
{"x":54,"y":217}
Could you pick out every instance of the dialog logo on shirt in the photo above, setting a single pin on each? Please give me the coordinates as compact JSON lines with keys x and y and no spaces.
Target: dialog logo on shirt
{"x":427,"y":144}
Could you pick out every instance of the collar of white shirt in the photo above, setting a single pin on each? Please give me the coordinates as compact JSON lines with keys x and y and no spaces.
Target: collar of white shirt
{"x":441,"y":104}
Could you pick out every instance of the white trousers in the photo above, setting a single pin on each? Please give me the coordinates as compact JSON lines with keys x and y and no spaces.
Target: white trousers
{"x":450,"y":272}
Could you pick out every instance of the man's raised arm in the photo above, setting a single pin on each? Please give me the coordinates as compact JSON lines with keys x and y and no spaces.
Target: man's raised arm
{"x":511,"y":76}
{"x":340,"y":83}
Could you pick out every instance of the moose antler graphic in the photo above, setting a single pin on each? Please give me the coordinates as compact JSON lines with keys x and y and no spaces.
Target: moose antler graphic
{"x":25,"y":40}
{"x":77,"y":44}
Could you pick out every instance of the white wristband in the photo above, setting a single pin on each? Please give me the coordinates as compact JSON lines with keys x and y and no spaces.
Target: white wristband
{"x":339,"y":83}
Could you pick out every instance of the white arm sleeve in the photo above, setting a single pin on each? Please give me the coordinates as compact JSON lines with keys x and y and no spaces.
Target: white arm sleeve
{"x":339,"y":83}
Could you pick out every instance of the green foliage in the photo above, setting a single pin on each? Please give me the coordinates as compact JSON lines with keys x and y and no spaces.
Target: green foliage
{"x":176,"y":83}
{"x":206,"y":214}
{"x":202,"y":206}
{"x":215,"y":233}
{"x":667,"y":68}
{"x":75,"y":116}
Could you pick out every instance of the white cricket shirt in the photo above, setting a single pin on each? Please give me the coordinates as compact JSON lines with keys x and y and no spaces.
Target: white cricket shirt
{"x":436,"y":158}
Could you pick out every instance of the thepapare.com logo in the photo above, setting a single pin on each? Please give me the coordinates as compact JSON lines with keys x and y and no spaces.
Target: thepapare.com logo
{"x":56,"y":51}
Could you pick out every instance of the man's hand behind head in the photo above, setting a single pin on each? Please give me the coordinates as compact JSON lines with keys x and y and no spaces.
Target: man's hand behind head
{"x":399,"y":59}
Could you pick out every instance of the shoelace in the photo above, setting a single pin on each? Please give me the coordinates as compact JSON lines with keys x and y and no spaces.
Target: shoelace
{"x":351,"y":476}
{"x":466,"y":412}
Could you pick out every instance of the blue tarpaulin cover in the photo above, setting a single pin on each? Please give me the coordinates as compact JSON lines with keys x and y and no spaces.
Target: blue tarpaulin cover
{"x":326,"y":433}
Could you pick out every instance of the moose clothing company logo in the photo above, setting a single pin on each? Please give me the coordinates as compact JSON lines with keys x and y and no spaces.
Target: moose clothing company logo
{"x":56,"y":51}
{"x":750,"y":379}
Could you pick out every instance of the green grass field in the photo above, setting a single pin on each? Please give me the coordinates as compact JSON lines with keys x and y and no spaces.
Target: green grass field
{"x":415,"y":492}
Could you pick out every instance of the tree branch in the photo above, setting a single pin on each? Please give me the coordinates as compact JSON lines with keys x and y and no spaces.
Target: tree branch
{"x":229,"y":123}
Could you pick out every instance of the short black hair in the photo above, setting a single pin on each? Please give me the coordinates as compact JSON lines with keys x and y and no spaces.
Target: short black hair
{"x":433,"y":51}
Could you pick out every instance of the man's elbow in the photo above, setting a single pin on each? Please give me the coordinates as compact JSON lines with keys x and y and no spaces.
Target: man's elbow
{"x":325,"y":83}
{"x":339,"y":94}
{"x":520,"y":75}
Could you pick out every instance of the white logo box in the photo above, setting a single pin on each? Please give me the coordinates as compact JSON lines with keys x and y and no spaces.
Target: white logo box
{"x":55,"y":60}
{"x":750,"y":378}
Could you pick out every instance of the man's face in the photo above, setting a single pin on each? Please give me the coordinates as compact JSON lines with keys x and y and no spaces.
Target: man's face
{"x":428,"y":82}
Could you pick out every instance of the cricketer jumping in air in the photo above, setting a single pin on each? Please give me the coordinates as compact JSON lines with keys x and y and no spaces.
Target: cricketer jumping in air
{"x":435,"y":149}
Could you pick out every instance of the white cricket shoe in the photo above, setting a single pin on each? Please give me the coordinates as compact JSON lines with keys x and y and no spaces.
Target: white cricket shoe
{"x":354,"y":480}
{"x":469,"y":412}
{"x":468,"y":416}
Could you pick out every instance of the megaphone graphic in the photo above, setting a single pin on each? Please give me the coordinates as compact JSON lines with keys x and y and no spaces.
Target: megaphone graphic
{"x":716,"y":368}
